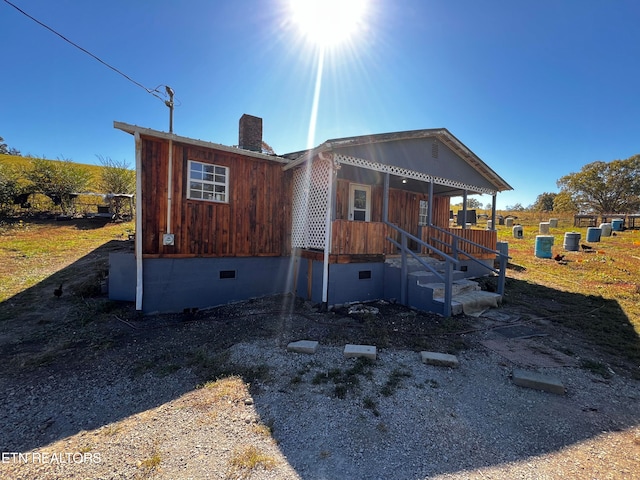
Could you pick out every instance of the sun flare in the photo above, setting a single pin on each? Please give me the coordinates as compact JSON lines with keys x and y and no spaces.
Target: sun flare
{"x":328,"y":23}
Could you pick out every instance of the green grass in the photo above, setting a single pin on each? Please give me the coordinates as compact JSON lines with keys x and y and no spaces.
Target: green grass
{"x":596,"y":294}
{"x":31,"y":251}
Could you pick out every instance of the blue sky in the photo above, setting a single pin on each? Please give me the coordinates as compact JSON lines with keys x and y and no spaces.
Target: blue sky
{"x":535,"y":89}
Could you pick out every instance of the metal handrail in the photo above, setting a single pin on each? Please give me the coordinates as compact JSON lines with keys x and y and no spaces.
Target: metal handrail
{"x":450,"y":261}
{"x":447,"y":279}
{"x":502,"y":258}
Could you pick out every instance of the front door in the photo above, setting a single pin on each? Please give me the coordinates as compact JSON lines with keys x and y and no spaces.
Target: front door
{"x":359,"y":202}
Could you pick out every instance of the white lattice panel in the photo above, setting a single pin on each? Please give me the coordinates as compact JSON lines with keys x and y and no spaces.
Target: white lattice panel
{"x":403,"y":172}
{"x":310,"y":199}
{"x":300,"y":202}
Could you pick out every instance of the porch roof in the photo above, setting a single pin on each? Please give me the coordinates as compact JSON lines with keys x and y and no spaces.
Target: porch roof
{"x":441,"y":134}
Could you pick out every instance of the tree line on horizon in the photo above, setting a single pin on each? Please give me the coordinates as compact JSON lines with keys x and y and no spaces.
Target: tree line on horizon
{"x":599,"y":188}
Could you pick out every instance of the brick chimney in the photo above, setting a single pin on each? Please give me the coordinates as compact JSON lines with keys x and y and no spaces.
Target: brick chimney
{"x":250,"y":137}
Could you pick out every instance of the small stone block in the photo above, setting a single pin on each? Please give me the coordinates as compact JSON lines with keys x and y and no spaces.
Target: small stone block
{"x":440,"y":359}
{"x":366,"y":351}
{"x":303,"y":346}
{"x":537,"y":381}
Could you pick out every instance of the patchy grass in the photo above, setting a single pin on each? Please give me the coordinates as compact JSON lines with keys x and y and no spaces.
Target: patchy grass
{"x":345,"y":380}
{"x":262,"y":430}
{"x":151,"y":464}
{"x":370,"y":404}
{"x":597,"y":368}
{"x":394,"y":381}
{"x":229,"y":389}
{"x":246,"y":460}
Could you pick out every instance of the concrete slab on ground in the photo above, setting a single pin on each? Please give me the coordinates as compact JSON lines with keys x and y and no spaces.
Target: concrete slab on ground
{"x":529,"y":353}
{"x":303,"y":346}
{"x":440,"y":359}
{"x":537,"y":381}
{"x":366,"y":351}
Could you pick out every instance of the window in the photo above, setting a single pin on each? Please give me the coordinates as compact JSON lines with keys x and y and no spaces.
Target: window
{"x":208,"y":182}
{"x":360,"y":202}
{"x":423,"y":215}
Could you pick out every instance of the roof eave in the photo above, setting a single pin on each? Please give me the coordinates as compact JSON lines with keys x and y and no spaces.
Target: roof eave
{"x":132,"y":129}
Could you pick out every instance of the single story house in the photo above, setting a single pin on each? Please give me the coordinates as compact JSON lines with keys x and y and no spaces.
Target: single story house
{"x":354,"y":219}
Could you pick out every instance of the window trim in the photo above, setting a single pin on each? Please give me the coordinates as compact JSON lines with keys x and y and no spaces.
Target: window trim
{"x":423,"y":213}
{"x":213,"y":183}
{"x":352,"y":207}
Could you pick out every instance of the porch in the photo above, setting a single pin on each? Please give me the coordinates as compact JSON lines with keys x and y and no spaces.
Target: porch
{"x":359,"y":202}
{"x":372,"y":260}
{"x":350,"y":238}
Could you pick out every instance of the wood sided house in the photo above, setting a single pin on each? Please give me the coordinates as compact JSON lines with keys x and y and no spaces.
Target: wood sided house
{"x":354,"y":219}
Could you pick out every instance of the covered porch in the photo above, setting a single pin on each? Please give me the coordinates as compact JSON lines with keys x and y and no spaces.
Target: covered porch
{"x":357,"y":213}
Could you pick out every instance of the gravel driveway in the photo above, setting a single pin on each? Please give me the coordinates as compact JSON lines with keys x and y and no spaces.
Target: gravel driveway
{"x":145,"y":403}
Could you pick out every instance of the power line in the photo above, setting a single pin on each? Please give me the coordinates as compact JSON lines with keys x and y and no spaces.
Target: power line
{"x":148,"y":90}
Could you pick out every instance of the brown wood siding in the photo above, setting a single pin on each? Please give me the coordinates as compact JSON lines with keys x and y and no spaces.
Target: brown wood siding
{"x":440,"y":211}
{"x":404,"y":209}
{"x":154,"y":195}
{"x":358,"y":238}
{"x":404,"y":206}
{"x":255,"y":222}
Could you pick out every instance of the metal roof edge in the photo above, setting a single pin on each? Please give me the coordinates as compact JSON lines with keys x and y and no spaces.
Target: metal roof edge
{"x":481,"y":166}
{"x":306,"y":155}
{"x":132,"y":129}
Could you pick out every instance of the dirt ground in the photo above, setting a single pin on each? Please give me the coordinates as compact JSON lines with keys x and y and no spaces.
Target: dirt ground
{"x":81,"y":372}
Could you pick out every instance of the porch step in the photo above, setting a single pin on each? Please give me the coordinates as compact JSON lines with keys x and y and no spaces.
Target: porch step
{"x":413,"y":264}
{"x":458,"y":287}
{"x":467,"y":297}
{"x":425,"y":278}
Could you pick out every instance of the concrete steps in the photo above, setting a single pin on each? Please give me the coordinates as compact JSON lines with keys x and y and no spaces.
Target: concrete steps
{"x":467,"y":297}
{"x":425,"y":291}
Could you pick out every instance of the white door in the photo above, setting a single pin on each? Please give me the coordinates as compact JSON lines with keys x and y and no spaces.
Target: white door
{"x":359,"y":202}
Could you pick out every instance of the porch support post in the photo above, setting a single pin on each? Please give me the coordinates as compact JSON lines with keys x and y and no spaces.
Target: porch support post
{"x":464,"y":210}
{"x":385,"y":199}
{"x":430,"y":204}
{"x":403,"y":271}
{"x":493,"y":212}
{"x":448,"y":289}
{"x":327,"y":237}
{"x":138,"y":237}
